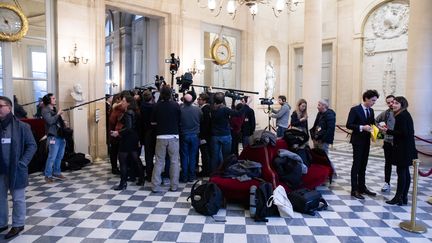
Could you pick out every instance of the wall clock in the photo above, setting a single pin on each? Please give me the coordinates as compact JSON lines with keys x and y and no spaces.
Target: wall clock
{"x":221,"y":52}
{"x":13,"y":23}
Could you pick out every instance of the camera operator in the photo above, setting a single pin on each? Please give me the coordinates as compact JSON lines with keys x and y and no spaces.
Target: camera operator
{"x":281,"y":116}
{"x":248,"y":127}
{"x":205,"y":133}
{"x":166,"y":118}
{"x":191,"y":116}
{"x":56,"y":143}
{"x":147,"y":107}
{"x":221,"y":132}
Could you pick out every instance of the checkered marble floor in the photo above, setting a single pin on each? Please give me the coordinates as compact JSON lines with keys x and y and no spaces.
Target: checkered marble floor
{"x":86,"y":209}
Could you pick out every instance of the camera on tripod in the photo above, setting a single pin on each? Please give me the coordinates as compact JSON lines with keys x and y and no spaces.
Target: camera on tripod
{"x":184,"y":81}
{"x":266,"y":101}
{"x":174,"y":63}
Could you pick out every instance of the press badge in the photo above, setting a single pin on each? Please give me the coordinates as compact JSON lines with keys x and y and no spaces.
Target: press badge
{"x":6,"y":140}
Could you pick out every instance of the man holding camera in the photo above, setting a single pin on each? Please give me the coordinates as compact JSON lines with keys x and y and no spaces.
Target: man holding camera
{"x":166,"y":119}
{"x":248,"y":127}
{"x":281,"y":116}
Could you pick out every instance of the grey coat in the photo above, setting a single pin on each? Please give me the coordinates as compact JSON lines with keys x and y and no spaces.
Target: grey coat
{"x":24,"y":147}
{"x":51,"y":120}
{"x":293,"y":156}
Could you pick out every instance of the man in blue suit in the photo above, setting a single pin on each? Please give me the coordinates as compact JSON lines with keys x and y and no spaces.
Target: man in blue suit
{"x":360,"y":119}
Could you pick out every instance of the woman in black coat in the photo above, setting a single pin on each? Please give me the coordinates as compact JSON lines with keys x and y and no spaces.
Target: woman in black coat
{"x":404,"y":149}
{"x":299,"y":118}
{"x":129,"y":143}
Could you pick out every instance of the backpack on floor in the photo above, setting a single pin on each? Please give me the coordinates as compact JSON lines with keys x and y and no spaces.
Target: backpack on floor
{"x":206,"y":199}
{"x":307,"y":201}
{"x":288,"y":171}
{"x":262,"y":195}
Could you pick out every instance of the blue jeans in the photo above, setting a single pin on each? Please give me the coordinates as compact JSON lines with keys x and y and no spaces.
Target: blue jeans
{"x":245,"y":141}
{"x":18,"y":204}
{"x":56,"y":148}
{"x":280,"y":131}
{"x":220,"y":148}
{"x":188,"y":150}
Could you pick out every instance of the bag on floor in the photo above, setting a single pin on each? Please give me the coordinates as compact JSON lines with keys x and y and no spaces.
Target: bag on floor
{"x":262,"y":195}
{"x":307,"y":201}
{"x":206,"y":198}
{"x":288,"y":171}
{"x":283,"y":204}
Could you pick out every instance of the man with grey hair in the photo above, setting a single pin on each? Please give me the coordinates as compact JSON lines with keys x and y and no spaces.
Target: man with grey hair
{"x":323,"y":129}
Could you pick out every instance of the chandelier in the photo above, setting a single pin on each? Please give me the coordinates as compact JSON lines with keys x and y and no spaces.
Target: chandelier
{"x":233,"y":5}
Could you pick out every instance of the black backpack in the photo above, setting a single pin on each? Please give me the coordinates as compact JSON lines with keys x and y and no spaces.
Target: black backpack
{"x":262,"y":195}
{"x":307,"y":201}
{"x":206,"y":199}
{"x":288,"y":171}
{"x":296,"y":138}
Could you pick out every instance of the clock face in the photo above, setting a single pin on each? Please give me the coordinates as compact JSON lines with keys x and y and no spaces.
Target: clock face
{"x":10,"y":21}
{"x":13,"y":23}
{"x":221,"y":53}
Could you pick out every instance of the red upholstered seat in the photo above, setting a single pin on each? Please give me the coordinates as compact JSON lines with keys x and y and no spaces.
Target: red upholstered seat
{"x":234,"y":190}
{"x":37,"y":127}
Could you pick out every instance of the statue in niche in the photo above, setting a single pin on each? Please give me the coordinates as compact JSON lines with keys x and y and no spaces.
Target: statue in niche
{"x":77,"y":93}
{"x":389,"y":77}
{"x":270,"y":80}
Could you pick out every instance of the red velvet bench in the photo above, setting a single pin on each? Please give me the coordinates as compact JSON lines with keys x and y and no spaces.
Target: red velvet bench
{"x":234,"y":190}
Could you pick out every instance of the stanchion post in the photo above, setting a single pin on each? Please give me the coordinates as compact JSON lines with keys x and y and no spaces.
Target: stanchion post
{"x":97,"y":159}
{"x":412,"y":225}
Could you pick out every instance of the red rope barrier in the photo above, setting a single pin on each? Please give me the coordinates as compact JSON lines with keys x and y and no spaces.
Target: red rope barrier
{"x":430,"y":155}
{"x":419,"y":138}
{"x":425,"y":174}
{"x":422,"y":139}
{"x":347,"y":132}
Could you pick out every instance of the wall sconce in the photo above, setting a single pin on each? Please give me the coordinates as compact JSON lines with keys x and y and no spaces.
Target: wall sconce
{"x":74,"y":59}
{"x":196,"y":68}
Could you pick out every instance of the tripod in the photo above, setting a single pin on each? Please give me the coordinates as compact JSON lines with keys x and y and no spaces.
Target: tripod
{"x":269,"y":126}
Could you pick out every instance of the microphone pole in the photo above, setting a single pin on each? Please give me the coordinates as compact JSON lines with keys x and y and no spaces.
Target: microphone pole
{"x":85,"y":103}
{"x":30,"y":103}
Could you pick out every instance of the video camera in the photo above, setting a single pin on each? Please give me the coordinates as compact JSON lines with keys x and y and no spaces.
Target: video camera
{"x":184,"y":81}
{"x":234,"y":95}
{"x":174,"y":63}
{"x":159,"y":80}
{"x":266,"y":101}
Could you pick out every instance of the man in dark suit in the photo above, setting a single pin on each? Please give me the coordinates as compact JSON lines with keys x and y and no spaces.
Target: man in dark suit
{"x":360,"y":119}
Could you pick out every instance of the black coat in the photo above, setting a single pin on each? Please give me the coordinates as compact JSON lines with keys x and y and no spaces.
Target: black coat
{"x":295,"y":122}
{"x":205,"y":126}
{"x":324,"y":126}
{"x":357,"y":118}
{"x":403,"y":139}
{"x":248,"y":127}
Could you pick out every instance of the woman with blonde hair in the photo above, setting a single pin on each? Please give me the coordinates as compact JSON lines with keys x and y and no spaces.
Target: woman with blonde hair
{"x":299,"y":116}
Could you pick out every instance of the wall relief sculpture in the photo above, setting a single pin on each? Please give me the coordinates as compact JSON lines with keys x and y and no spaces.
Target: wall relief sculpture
{"x":389,"y":77}
{"x":391,"y":20}
{"x":369,"y":46}
{"x":385,"y":43}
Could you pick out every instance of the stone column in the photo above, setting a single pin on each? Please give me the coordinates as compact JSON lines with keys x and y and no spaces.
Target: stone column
{"x":419,"y":66}
{"x":312,"y":56}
